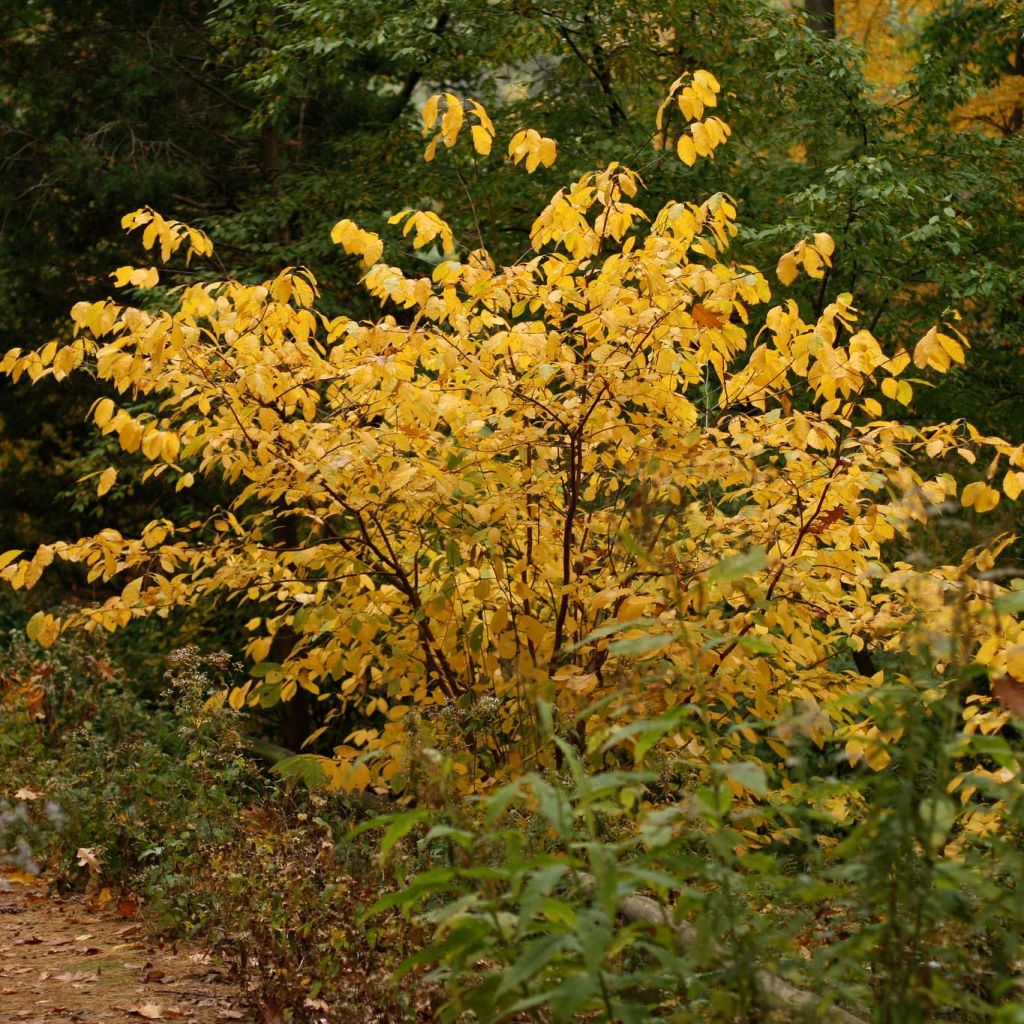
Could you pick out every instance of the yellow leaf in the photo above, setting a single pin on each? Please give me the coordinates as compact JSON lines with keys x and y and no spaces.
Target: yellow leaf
{"x":979,"y":496}
{"x":1012,"y":485}
{"x":103,"y":412}
{"x":824,"y":243}
{"x":7,"y":557}
{"x":34,"y":625}
{"x":1015,"y":661}
{"x":481,"y":139}
{"x":686,"y":150}
{"x":787,"y":268}
{"x":430,"y":109}
{"x":355,"y":778}
{"x":451,"y":120}
{"x":132,"y":591}
{"x":237,"y":697}
{"x":49,"y":631}
{"x":106,"y":481}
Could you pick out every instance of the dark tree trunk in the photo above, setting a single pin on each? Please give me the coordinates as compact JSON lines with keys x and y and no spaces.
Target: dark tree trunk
{"x":821,"y":16}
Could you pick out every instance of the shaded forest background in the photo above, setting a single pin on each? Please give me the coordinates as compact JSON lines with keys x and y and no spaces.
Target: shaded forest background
{"x":895,"y":127}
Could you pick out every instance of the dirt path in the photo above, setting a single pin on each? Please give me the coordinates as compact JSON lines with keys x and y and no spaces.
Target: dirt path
{"x":62,"y":960}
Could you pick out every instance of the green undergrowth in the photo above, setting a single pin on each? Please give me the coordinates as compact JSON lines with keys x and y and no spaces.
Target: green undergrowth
{"x":160,"y":805}
{"x":841,"y":893}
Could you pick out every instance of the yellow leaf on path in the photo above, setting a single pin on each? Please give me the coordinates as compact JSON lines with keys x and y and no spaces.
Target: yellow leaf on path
{"x":20,"y":878}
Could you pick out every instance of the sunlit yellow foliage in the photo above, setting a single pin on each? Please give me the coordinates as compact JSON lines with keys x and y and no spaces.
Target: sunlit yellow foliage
{"x":581,"y":476}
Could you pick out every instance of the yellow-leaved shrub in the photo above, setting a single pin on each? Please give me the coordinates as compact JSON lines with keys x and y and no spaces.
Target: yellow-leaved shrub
{"x":582,"y":476}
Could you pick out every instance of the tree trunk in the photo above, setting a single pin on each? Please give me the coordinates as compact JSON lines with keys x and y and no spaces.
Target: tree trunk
{"x":821,"y":16}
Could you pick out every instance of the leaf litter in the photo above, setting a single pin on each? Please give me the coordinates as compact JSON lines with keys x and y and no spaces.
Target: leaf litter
{"x":72,"y":960}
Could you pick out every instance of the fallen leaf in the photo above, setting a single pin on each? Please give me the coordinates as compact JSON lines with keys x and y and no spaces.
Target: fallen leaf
{"x":27,"y":793}
{"x":151,"y":1011}
{"x":21,"y":878}
{"x":127,"y":907}
{"x":77,"y":976}
{"x":87,"y":858}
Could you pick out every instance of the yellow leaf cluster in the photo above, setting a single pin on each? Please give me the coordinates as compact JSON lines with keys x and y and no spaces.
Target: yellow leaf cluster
{"x":814,"y":256}
{"x":451,"y":123}
{"x":533,"y":150}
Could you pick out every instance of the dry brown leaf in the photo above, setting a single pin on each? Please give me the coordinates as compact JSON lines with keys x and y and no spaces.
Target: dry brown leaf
{"x":87,"y":857}
{"x":127,"y":907}
{"x":27,"y":793}
{"x":151,"y":1011}
{"x":705,"y":317}
{"x":77,"y":976}
{"x":1010,"y":693}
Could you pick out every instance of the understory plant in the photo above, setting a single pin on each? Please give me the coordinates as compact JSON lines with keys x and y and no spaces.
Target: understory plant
{"x":629,"y":884}
{"x":159,"y":810}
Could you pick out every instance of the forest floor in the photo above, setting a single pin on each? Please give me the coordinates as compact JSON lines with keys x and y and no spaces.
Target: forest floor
{"x":71,"y":959}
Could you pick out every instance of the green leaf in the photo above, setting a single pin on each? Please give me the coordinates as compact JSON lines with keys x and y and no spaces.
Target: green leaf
{"x":633,"y":647}
{"x":1008,"y":604}
{"x":263,"y":669}
{"x":749,"y":775}
{"x":603,"y":631}
{"x":735,"y":567}
{"x":757,"y":644}
{"x":305,"y":768}
{"x":535,"y":956}
{"x":401,"y":825}
{"x":34,"y":625}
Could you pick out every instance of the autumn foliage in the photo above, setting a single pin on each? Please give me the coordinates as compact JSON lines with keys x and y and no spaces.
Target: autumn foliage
{"x":612,"y":473}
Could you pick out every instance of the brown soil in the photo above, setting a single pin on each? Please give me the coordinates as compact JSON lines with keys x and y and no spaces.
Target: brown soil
{"x":69,"y":959}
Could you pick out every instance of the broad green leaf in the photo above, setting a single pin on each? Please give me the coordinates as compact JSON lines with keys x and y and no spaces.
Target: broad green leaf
{"x":735,"y":567}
